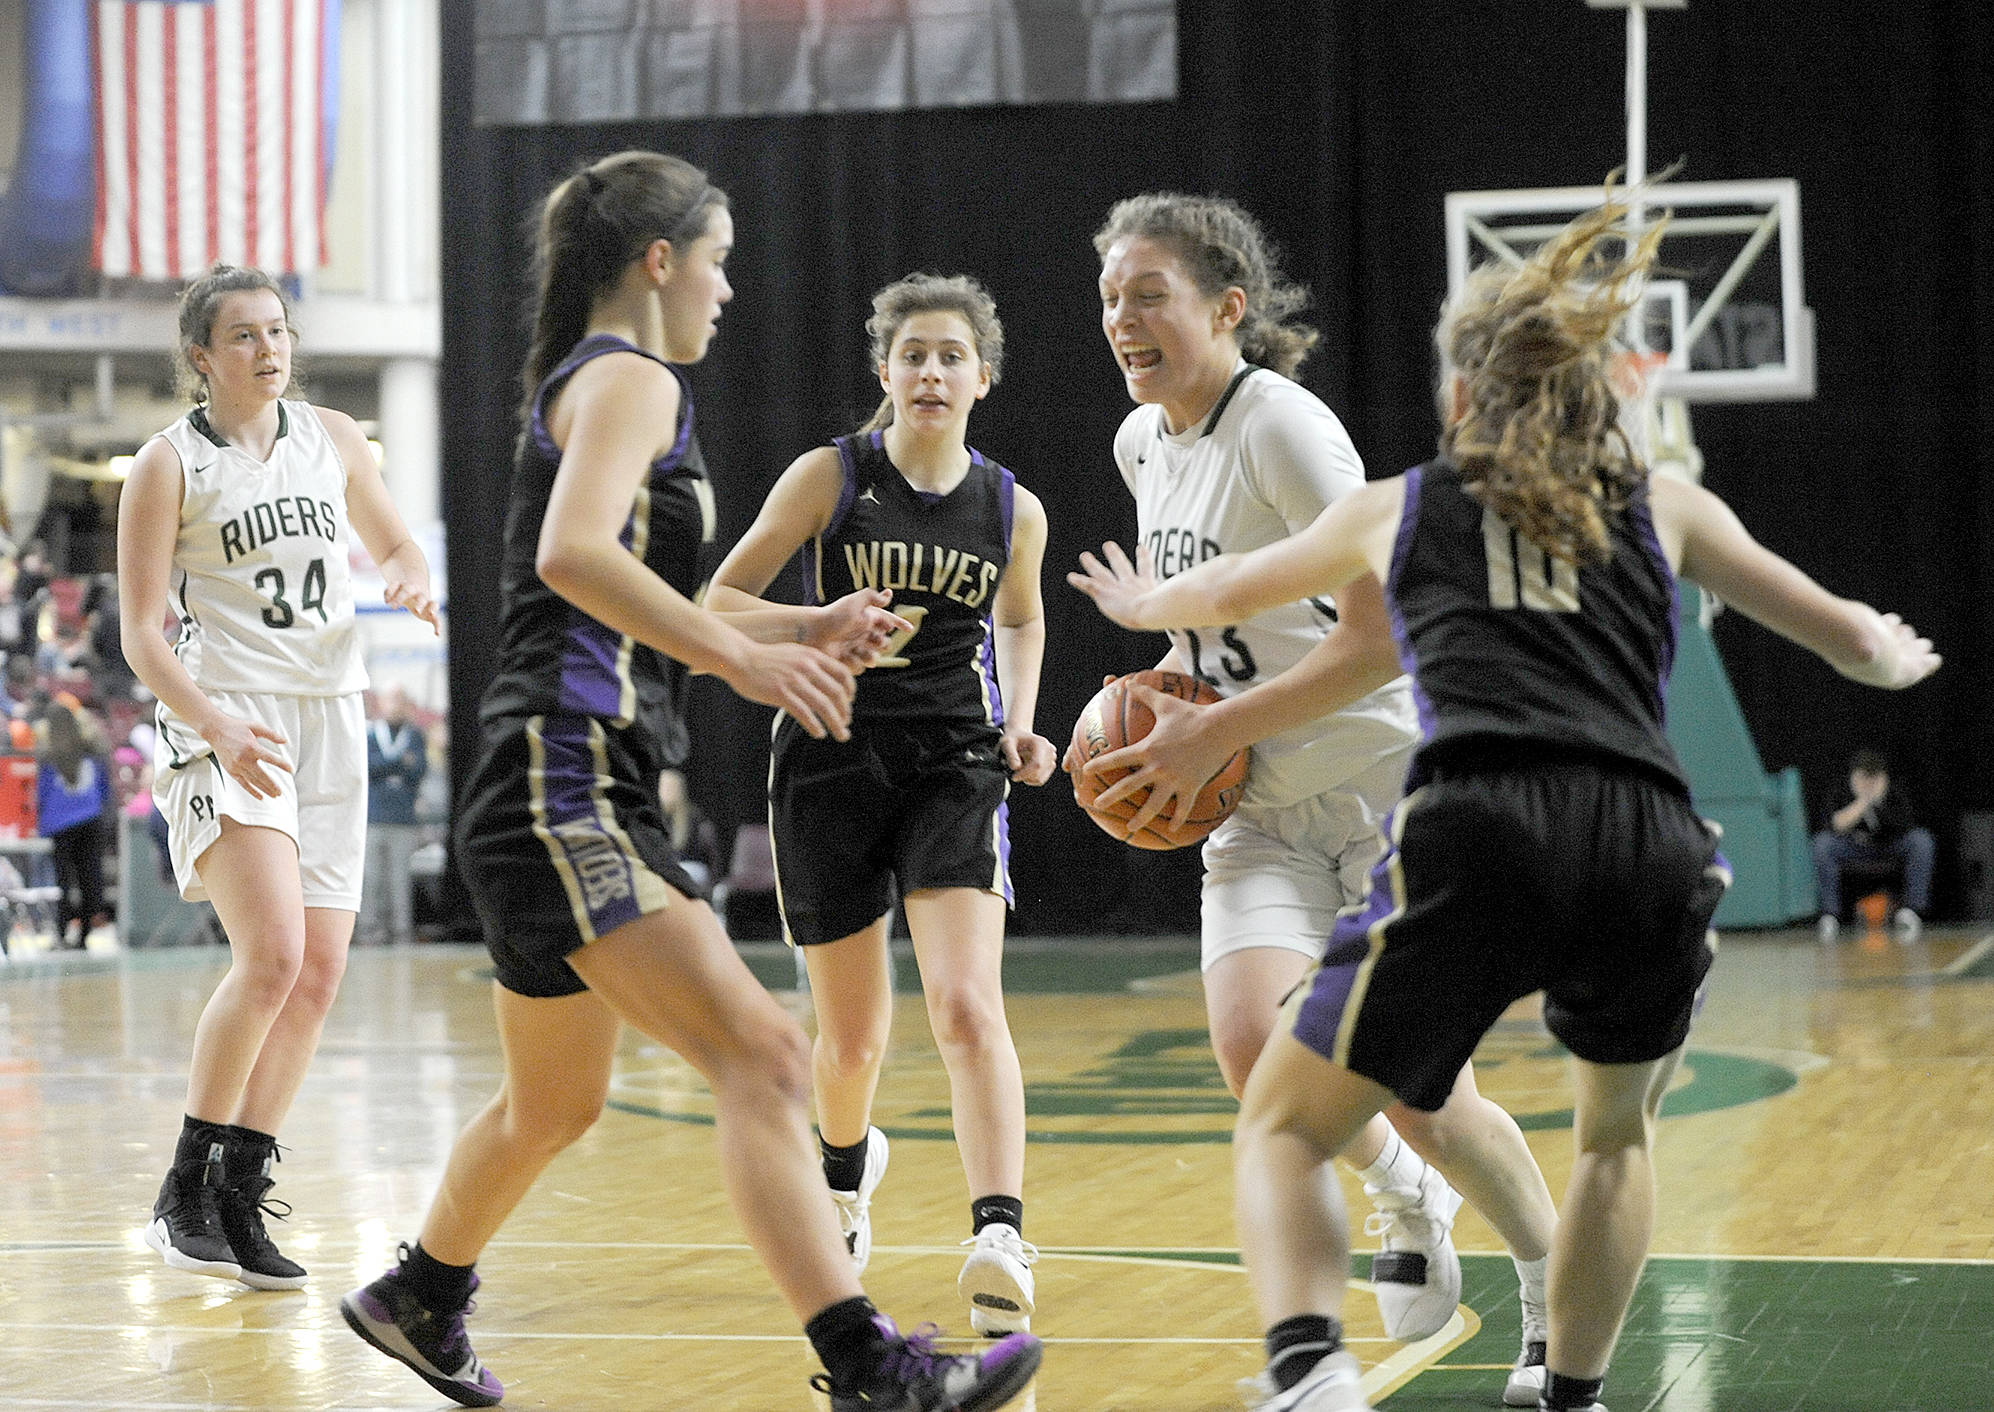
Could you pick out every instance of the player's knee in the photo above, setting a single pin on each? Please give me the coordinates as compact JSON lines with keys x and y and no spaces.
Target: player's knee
{"x":849,"y":1055}
{"x":965,"y":1020}
{"x":1237,"y":1048}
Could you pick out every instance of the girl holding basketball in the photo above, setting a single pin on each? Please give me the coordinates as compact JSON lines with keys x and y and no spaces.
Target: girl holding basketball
{"x":1225,"y":453}
{"x":912,"y":808}
{"x":1548,"y":841}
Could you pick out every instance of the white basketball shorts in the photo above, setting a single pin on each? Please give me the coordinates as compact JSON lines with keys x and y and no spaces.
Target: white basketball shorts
{"x":321,"y":800}
{"x":1278,"y":876}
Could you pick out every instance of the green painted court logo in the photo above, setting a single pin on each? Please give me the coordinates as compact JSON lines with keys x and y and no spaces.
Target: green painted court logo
{"x":1162,"y":1087}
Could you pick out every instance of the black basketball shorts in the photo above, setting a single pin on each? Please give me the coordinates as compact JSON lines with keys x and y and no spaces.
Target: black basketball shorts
{"x":560,"y":841}
{"x":899,"y":807}
{"x":1592,"y":884}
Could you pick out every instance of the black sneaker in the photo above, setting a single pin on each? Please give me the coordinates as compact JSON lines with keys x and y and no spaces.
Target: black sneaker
{"x":242,"y":1205}
{"x":186,"y":1226}
{"x":915,"y":1377}
{"x":387,"y":1314}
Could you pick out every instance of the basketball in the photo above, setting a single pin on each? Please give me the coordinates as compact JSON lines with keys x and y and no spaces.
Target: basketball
{"x":1115,"y":718}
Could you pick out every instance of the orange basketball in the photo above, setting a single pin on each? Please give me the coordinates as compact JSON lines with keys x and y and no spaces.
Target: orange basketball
{"x":1115,"y":718}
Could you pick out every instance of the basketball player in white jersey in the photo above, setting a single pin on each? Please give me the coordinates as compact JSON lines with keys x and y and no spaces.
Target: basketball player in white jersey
{"x":236,"y":522}
{"x":1225,"y":452}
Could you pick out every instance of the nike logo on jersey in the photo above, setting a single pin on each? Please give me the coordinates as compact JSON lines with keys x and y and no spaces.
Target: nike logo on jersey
{"x":870,"y":495}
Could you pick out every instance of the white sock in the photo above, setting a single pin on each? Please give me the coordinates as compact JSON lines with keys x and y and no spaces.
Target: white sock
{"x":1530,"y":1284}
{"x":1398,"y":1167}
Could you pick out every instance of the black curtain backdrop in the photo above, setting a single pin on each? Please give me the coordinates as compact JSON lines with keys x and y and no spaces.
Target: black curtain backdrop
{"x":1342,"y":125}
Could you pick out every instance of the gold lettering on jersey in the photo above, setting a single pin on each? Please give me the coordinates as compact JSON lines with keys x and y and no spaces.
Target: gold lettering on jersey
{"x":599,"y":865}
{"x":954,"y":574}
{"x":1521,"y":575}
{"x":894,"y":654}
{"x":286,"y":517}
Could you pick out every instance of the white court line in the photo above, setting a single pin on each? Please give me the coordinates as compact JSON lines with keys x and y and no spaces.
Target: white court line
{"x":1969,"y":958}
{"x":490,"y":1335}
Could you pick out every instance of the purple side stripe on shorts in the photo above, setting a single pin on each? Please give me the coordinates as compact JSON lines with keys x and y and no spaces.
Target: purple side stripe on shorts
{"x":1320,"y":1017}
{"x":590,"y":857}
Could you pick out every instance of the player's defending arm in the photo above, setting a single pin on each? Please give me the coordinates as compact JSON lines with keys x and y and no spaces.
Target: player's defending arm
{"x":1351,"y":538}
{"x":855,"y":627}
{"x":623,"y":411}
{"x":148,"y":528}
{"x":1715,"y":550}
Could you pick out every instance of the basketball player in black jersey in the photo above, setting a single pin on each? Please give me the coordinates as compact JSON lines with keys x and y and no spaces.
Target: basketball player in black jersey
{"x":590,"y":918}
{"x":1547,"y":841}
{"x":911,"y":809}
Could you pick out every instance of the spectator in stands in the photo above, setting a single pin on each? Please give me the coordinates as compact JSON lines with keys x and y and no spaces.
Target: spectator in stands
{"x":72,"y":797}
{"x":397,"y":760}
{"x":32,"y":578}
{"x":1874,"y":835}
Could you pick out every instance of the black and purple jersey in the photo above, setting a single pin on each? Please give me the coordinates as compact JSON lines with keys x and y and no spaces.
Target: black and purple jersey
{"x":556,"y":659}
{"x":943,"y":556}
{"x":1511,"y":648}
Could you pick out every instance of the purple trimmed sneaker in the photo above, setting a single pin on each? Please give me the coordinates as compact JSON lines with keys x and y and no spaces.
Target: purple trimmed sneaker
{"x":387,"y":1314}
{"x":916,"y":1377}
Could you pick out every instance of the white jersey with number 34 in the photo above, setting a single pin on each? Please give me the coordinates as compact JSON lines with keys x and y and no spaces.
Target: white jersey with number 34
{"x":260,"y":582}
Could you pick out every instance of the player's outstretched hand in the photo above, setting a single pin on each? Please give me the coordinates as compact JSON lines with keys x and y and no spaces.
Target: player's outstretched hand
{"x":856,"y":628}
{"x":1115,"y":585}
{"x":415,"y":598}
{"x":811,"y":685}
{"x":1903,"y":659}
{"x":240,"y":749}
{"x":1030,"y":757}
{"x":1172,"y":762}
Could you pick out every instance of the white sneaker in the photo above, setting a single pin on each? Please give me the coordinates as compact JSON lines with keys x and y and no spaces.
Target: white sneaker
{"x":1908,"y":924}
{"x":1829,"y":926}
{"x":1526,"y":1380}
{"x":1334,"y":1385}
{"x":1416,"y":1272}
{"x":996,"y":1280}
{"x":855,"y":1207}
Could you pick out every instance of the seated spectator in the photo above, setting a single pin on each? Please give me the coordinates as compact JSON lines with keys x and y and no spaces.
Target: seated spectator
{"x":1875,"y":836}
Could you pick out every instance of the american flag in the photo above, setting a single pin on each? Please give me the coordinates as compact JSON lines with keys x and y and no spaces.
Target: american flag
{"x":211,"y":134}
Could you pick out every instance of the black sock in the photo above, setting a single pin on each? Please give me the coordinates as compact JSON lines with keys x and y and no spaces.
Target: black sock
{"x":247,"y":1153}
{"x":1563,"y":1394}
{"x":848,"y":1340}
{"x":198,"y":1140}
{"x":844,"y":1167}
{"x":995,"y":1211}
{"x":444,"y":1288}
{"x":1296,"y":1345}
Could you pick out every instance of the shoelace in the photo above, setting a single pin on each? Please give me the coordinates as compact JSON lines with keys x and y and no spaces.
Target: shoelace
{"x":916,"y":1356}
{"x":261,"y":1204}
{"x":913,"y":1355}
{"x":1026,"y":1252}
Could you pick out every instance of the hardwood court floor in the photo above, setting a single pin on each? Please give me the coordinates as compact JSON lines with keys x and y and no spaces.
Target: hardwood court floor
{"x":1825,"y":1224}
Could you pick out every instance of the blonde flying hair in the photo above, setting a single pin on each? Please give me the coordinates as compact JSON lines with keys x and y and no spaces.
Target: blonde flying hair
{"x":1539,"y":440}
{"x":1221,"y":247}
{"x":928,"y":294}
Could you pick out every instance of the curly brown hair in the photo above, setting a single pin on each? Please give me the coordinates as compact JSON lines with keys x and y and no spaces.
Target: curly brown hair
{"x":1539,"y":440}
{"x":929,"y":294}
{"x":1222,"y":247}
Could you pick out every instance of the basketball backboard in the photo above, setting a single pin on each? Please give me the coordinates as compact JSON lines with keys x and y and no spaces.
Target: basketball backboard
{"x":1726,"y":303}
